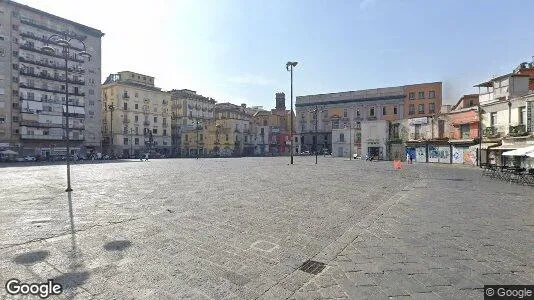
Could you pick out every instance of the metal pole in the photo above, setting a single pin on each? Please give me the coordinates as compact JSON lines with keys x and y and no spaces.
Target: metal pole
{"x":111,"y":108}
{"x":197,"y":139}
{"x":316,"y":136}
{"x":66,"y":55}
{"x":291,"y":117}
{"x":350,"y":141}
{"x":131,"y":141}
{"x":479,"y":136}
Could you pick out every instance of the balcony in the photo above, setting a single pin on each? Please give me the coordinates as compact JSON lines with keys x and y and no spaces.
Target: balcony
{"x":125,"y":96}
{"x":33,"y":49}
{"x":491,"y":132}
{"x":518,"y":130}
{"x":146,"y":123}
{"x":41,"y":137}
{"x":40,"y":125}
{"x":51,"y":65}
{"x":45,"y":75}
{"x":370,"y":118}
{"x":44,"y":39}
{"x":32,"y":23}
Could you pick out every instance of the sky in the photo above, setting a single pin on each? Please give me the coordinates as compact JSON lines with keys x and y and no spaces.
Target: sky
{"x":236,"y":51}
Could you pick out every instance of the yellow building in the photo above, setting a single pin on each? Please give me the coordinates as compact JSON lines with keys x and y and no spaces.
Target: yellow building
{"x":136,"y":116}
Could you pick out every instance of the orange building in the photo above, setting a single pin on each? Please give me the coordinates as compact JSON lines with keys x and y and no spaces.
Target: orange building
{"x":422,"y":99}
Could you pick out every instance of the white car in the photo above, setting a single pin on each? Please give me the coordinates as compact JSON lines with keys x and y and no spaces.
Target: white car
{"x":29,"y":158}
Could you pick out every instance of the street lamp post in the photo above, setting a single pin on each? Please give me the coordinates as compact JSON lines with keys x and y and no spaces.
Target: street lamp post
{"x":64,"y":42}
{"x":289,"y":66}
{"x":197,"y":122}
{"x":131,"y":142}
{"x":479,"y":161}
{"x":111,"y":108}
{"x":315,"y":112}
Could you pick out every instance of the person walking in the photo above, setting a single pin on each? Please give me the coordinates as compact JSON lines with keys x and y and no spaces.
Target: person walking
{"x":146,"y":156}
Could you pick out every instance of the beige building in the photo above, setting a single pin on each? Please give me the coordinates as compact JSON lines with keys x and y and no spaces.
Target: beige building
{"x":136,"y":115}
{"x":33,"y":89}
{"x":190,"y":113}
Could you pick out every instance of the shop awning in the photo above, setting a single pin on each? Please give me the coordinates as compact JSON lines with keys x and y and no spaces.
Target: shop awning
{"x":520,"y":152}
{"x":486,"y":145}
{"x":509,"y":147}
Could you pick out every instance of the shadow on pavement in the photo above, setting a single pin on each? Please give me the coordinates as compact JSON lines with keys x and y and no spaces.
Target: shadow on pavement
{"x":30,"y":258}
{"x":119,"y":245}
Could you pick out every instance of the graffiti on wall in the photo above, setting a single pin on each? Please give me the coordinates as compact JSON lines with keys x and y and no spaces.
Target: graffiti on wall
{"x":438,"y":154}
{"x":420,"y":154}
{"x":458,"y":155}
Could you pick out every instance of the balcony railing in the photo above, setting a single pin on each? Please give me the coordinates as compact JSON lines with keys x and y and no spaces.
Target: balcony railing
{"x":46,"y":89}
{"x":33,"y":49}
{"x":57,"y":66}
{"x":491,"y":132}
{"x":44,"y":39}
{"x":41,"y":137}
{"x":45,"y":75}
{"x":518,"y":130}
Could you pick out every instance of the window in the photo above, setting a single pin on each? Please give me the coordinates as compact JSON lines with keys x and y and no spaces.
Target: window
{"x":394,"y":110}
{"x":136,"y":130}
{"x":201,"y":136}
{"x":125,"y":141}
{"x":227,"y":137}
{"x":411,"y":109}
{"x":335,"y":124}
{"x":91,"y":92}
{"x":384,"y":111}
{"x":155,"y":109}
{"x":136,"y":106}
{"x":345,"y":113}
{"x":493,"y":119}
{"x":91,"y":102}
{"x":136,"y":141}
{"x":186,"y":138}
{"x":522,"y":115}
{"x":15,"y":119}
{"x":155,"y":131}
{"x":155,"y":119}
{"x":417,"y":131}
{"x":357,"y":112}
{"x":136,"y":118}
{"x":15,"y":27}
{"x":421,"y":95}
{"x":371,"y":112}
{"x":395,"y":130}
{"x":125,"y":106}
{"x":15,"y":67}
{"x":432,"y":94}
{"x":165,"y":132}
{"x":296,"y":139}
{"x":421,"y":108}
{"x":358,"y":125}
{"x":15,"y":105}
{"x":412,"y":96}
{"x":431,"y":108}
{"x":164,"y":121}
{"x":342,"y":137}
{"x":125,"y":131}
{"x":136,"y":94}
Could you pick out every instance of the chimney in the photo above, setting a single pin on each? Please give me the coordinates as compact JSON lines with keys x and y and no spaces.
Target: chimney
{"x":243,"y":105}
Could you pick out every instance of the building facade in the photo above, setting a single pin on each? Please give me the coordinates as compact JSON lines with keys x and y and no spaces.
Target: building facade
{"x":190,"y":113}
{"x":33,"y":84}
{"x":136,"y":116}
{"x":319,"y":116}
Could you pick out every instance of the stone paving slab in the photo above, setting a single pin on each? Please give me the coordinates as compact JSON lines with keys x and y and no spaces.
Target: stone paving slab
{"x":240,"y":228}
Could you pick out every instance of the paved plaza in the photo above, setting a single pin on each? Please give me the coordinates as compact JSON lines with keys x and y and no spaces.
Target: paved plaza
{"x":240,"y":228}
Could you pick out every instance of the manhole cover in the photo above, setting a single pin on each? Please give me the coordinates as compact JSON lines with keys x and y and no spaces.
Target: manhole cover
{"x":312,"y":267}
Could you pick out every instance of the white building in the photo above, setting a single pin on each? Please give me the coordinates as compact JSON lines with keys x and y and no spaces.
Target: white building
{"x":33,"y":88}
{"x":374,"y":137}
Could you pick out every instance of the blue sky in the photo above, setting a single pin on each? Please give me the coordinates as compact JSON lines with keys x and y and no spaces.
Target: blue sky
{"x":236,"y":50}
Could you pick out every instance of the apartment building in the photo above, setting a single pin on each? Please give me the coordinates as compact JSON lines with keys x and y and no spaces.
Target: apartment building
{"x":318,"y":116}
{"x":33,"y":84}
{"x":136,"y":116}
{"x":189,"y":111}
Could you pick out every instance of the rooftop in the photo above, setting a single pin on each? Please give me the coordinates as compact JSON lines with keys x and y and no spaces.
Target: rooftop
{"x":89,"y":30}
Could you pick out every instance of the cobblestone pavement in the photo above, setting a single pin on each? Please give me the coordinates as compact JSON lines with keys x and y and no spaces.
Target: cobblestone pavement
{"x":240,"y":228}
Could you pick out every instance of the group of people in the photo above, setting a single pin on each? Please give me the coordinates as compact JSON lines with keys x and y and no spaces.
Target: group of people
{"x":145,"y":157}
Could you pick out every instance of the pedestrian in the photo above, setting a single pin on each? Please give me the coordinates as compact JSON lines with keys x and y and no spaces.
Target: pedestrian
{"x":146,"y":156}
{"x":408,"y":158}
{"x":411,"y":159}
{"x":366,"y":157}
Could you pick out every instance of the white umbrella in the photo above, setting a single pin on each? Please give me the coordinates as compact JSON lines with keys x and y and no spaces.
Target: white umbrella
{"x":530,"y":154}
{"x":519,"y":152}
{"x":9,"y":152}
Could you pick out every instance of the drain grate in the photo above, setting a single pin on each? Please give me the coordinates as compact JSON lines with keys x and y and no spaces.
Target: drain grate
{"x":312,"y":267}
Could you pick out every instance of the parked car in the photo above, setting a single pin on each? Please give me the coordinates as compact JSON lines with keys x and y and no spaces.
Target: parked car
{"x":29,"y":158}
{"x":20,"y":159}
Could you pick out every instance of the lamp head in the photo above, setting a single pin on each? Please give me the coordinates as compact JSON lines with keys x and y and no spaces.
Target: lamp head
{"x":48,"y":49}
{"x":63,"y":43}
{"x":85,"y":54}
